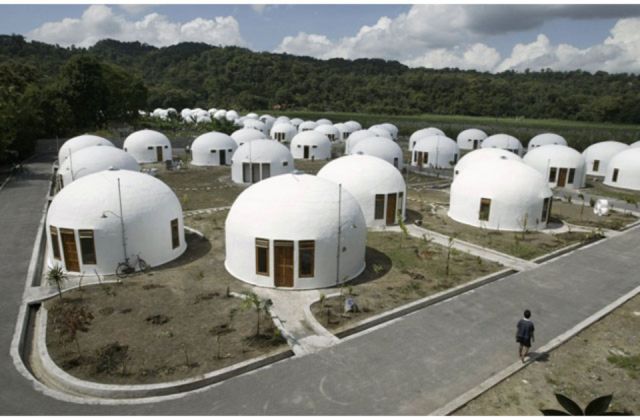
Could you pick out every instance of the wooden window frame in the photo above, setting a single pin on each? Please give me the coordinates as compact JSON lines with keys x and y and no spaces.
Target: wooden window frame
{"x":262,"y":244}
{"x":484,"y":202}
{"x":614,"y":176}
{"x":553,"y":174}
{"x":55,"y":243}
{"x":175,"y":234}
{"x":83,"y":236}
{"x":571,"y":176}
{"x":305,"y":246}
{"x":379,"y":198}
{"x":596,"y":165}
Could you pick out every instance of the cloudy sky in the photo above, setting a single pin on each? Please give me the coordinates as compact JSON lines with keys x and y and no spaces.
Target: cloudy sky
{"x":482,"y":37}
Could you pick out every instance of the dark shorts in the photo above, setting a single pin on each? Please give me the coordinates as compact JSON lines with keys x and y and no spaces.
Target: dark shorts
{"x":524,"y":341}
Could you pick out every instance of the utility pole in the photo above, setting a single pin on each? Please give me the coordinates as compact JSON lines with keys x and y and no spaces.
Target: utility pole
{"x":339,"y":233}
{"x":124,"y":241}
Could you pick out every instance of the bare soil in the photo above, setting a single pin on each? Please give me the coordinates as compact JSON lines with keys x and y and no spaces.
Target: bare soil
{"x":399,"y":270}
{"x":602,"y":359}
{"x":597,"y":188}
{"x":584,"y":216}
{"x":164,"y":325}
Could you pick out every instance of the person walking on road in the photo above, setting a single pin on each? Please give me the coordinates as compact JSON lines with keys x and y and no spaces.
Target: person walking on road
{"x":524,"y":335}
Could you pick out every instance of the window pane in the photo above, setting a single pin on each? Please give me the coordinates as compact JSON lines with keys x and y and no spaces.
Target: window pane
{"x":262,"y":256}
{"x":379,"y":209}
{"x":306,"y":258}
{"x":266,"y":170}
{"x":552,"y":174}
{"x":255,"y":172}
{"x":572,"y":174}
{"x":175,"y":237}
{"x":596,"y":165}
{"x":55,"y":245}
{"x":246,"y":175}
{"x":615,"y":175}
{"x":87,"y":247}
{"x":485,"y":209}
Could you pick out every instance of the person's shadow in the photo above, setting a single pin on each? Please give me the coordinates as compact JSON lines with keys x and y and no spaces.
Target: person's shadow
{"x":538,"y":357}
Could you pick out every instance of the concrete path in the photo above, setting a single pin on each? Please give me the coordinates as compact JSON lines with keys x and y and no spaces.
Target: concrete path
{"x":410,"y":366}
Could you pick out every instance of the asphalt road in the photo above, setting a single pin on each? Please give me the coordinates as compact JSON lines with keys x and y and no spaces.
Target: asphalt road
{"x":410,"y":366}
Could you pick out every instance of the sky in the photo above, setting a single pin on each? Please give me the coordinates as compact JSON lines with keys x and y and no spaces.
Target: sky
{"x":470,"y":36}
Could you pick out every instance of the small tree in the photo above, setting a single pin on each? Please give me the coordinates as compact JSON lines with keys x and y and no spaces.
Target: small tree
{"x":597,"y":407}
{"x":403,"y":227}
{"x":57,"y":276}
{"x":581,"y":196}
{"x":74,"y":320}
{"x":252,"y":301}
{"x":524,"y":224}
{"x":449,"y":250}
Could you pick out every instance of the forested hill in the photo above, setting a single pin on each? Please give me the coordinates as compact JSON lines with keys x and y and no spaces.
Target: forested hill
{"x":193,"y":74}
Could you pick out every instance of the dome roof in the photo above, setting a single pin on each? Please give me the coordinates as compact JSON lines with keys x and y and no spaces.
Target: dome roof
{"x":380,"y":131}
{"x":357,"y":136}
{"x":95,"y":159}
{"x":247,"y":134}
{"x":557,"y":156}
{"x":255,"y":124}
{"x":203,"y":145}
{"x":353,"y":125}
{"x":148,"y":207}
{"x":481,"y":155}
{"x":80,"y":142}
{"x":382,"y":148}
{"x":442,"y":151}
{"x":141,"y":145}
{"x":636,"y":144}
{"x":329,"y":131}
{"x":252,"y":115}
{"x":231,"y":115}
{"x":220,"y":114}
{"x":324,"y":121}
{"x":546,"y":139}
{"x":466,"y":137}
{"x":283,"y":127}
{"x":515,"y":189}
{"x":307,"y":125}
{"x":627,"y":162}
{"x":602,"y":152}
{"x":391,"y":128}
{"x":318,"y":141}
{"x":296,"y":122}
{"x":424,"y":132}
{"x":262,"y":151}
{"x":503,"y":141}
{"x":297,"y":207}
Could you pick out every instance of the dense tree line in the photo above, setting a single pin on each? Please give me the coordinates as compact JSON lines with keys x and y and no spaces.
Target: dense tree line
{"x":59,"y":88}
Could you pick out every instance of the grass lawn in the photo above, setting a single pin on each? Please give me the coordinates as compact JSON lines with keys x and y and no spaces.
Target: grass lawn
{"x":399,"y":271}
{"x":602,"y":359}
{"x":584,"y":216}
{"x":163,"y":325}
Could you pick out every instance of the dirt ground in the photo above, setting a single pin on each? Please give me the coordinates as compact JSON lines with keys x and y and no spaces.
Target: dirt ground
{"x":584,"y":216}
{"x":399,"y":270}
{"x":602,"y":359}
{"x":163,"y":325}
{"x":596,"y":187}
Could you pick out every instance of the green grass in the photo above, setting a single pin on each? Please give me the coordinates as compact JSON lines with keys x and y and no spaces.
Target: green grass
{"x":629,"y":363}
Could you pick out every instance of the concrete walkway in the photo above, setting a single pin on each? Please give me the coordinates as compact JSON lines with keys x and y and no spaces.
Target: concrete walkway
{"x":412,"y":365}
{"x":517,"y":264}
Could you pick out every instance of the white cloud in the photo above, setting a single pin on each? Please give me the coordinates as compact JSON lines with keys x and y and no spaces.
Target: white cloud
{"x":134,"y":9}
{"x":259,"y":8}
{"x":100,"y":22}
{"x":477,"y":57}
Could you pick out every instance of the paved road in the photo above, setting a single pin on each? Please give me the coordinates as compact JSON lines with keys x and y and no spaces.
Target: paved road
{"x":411,"y":366}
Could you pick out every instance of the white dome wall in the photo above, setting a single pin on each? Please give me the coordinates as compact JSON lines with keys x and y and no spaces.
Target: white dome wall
{"x":382,"y":148}
{"x":627,"y":163}
{"x":143,"y":145}
{"x":353,"y":125}
{"x":546,"y":139}
{"x":380,"y":131}
{"x":330,"y":131}
{"x":317,"y":144}
{"x":602,"y":152}
{"x":505,"y":142}
{"x":344,"y":131}
{"x":80,"y":142}
{"x":634,"y":145}
{"x":245,"y":135}
{"x":307,"y":126}
{"x":365,"y":177}
{"x":357,"y":136}
{"x":515,"y":190}
{"x":207,"y":149}
{"x":286,"y":131}
{"x":481,"y":155}
{"x":392,"y":129}
{"x":468,"y":138}
{"x":256,"y":125}
{"x":285,"y":204}
{"x":94,"y":159}
{"x":149,"y":206}
{"x":562,"y":159}
{"x":259,"y":152}
{"x":442,"y":151}
{"x":423,"y":132}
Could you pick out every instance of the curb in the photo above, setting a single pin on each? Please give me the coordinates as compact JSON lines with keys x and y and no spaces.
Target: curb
{"x":108,"y":391}
{"x":475,"y":392}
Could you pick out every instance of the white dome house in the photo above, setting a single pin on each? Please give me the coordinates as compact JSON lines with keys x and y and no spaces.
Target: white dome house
{"x":471,"y":139}
{"x":560,"y":165}
{"x":220,"y":114}
{"x":598,"y":156}
{"x":268,"y":121}
{"x":212,"y":149}
{"x":634,"y":145}
{"x":344,"y":131}
{"x":624,"y":170}
{"x":80,"y":142}
{"x":385,"y":149}
{"x":307,"y":126}
{"x":435,"y":152}
{"x":260,"y":159}
{"x":357,"y":136}
{"x":98,"y":220}
{"x":283,"y":132}
{"x":148,"y":146}
{"x":245,"y":135}
{"x":256,"y":125}
{"x":377,"y":186}
{"x":94,"y":159}
{"x":501,"y":194}
{"x":296,"y":122}
{"x":392,"y":129}
{"x":482,"y":155}
{"x":353,"y":125}
{"x":232,"y":115}
{"x":423,"y":132}
{"x":505,"y":142}
{"x":311,"y":145}
{"x":546,"y":139}
{"x":296,"y":232}
{"x":380,"y":131}
{"x":324,"y":121}
{"x":330,"y":131}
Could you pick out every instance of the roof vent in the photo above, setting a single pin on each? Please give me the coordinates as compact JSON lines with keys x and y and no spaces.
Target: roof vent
{"x":113,"y":168}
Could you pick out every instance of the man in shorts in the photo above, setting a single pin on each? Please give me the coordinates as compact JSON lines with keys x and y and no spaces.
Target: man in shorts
{"x":524,"y":335}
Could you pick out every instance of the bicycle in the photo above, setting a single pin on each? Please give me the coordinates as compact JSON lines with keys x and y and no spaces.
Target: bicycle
{"x":126,"y":268}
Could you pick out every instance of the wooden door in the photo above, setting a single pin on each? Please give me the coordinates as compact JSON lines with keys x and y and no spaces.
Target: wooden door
{"x":475,"y":144}
{"x":562,"y":177}
{"x":391,"y":209}
{"x":283,"y":263}
{"x":70,"y":250}
{"x":306,"y":152}
{"x":159,"y":153}
{"x":419,"y":159}
{"x":223,"y":157}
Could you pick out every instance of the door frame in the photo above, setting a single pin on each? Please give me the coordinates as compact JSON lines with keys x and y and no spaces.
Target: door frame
{"x":283,"y":274}
{"x":159,"y":154}
{"x":222,"y":157}
{"x":68,"y":252}
{"x":391,"y":197}
{"x":562,"y":177}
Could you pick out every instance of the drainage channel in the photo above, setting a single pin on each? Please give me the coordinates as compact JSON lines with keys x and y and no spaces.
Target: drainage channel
{"x":26,"y":344}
